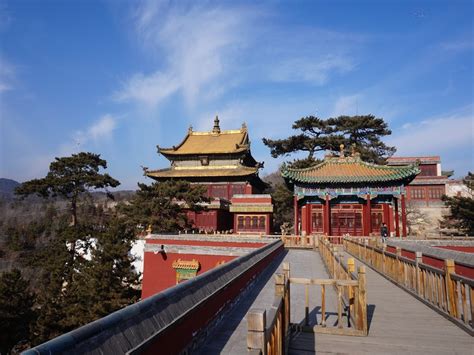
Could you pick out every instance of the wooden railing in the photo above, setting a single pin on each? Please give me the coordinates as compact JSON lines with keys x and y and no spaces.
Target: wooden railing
{"x":300,"y":241}
{"x":350,"y":287}
{"x":308,"y":241}
{"x":268,"y":333}
{"x":441,"y":289}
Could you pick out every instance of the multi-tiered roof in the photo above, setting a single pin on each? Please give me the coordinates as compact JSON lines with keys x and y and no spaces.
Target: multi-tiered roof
{"x":210,"y":154}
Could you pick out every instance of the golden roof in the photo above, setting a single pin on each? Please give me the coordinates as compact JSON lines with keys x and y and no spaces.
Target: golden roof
{"x":213,"y":142}
{"x":350,"y":170}
{"x":186,"y":264}
{"x":202,"y":172}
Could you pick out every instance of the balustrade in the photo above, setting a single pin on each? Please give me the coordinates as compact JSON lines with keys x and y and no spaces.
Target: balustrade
{"x":442,"y":289}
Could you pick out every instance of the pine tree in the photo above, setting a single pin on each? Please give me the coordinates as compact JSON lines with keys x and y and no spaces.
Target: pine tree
{"x":319,"y":135}
{"x":108,"y":281}
{"x":160,"y":205}
{"x":16,"y":313}
{"x":69,"y":177}
{"x":462,"y":208}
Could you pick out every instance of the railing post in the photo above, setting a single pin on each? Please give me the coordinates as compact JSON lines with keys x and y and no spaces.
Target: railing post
{"x":362,"y":300}
{"x":398,"y":271}
{"x":287,"y":305}
{"x":256,"y":324}
{"x":351,"y":269}
{"x":279,"y":285}
{"x":366,"y":241}
{"x":384,"y":249}
{"x":450,"y":292}
{"x":418,"y":261}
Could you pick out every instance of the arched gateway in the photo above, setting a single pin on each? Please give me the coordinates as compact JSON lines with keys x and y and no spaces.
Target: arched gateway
{"x":345,"y":195}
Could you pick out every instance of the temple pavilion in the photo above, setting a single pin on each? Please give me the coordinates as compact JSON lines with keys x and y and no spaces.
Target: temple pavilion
{"x":344,"y":195}
{"x":221,"y":160}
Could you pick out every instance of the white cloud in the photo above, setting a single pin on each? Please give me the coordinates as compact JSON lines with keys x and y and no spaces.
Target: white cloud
{"x":196,"y":44}
{"x":346,"y":105}
{"x":150,"y":90}
{"x":7,"y":75}
{"x":202,"y":51}
{"x":451,"y":137}
{"x":312,"y":70}
{"x":103,"y":128}
{"x":458,"y":45}
{"x":98,"y":131}
{"x":431,"y":136}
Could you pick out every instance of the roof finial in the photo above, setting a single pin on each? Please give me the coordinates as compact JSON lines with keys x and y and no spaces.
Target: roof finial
{"x":190,"y":129}
{"x":244,"y":126}
{"x":341,"y":150}
{"x":216,"y":128}
{"x":353,"y":149}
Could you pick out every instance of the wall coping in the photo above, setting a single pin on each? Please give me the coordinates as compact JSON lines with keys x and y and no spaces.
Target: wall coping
{"x":429,"y":250}
{"x":229,"y":238}
{"x":133,"y":327}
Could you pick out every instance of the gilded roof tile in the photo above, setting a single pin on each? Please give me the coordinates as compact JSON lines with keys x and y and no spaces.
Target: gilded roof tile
{"x":350,"y":170}
{"x":186,"y":264}
{"x":222,"y":142}
{"x":200,"y":172}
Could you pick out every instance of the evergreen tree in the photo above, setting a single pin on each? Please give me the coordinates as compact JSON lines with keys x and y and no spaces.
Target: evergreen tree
{"x":283,"y":205}
{"x":318,"y":135}
{"x":364,"y":133}
{"x":69,"y":177}
{"x":462,"y":208}
{"x":160,"y":205}
{"x":108,"y":281}
{"x":16,"y":312}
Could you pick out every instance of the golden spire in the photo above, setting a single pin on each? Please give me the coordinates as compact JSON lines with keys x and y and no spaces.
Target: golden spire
{"x":216,"y":129}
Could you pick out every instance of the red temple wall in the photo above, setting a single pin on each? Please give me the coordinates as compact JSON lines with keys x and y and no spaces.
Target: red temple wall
{"x":204,"y":243}
{"x":345,"y":214}
{"x":245,"y":229}
{"x":229,"y":189}
{"x":158,"y":273}
{"x":460,"y":269}
{"x":181,"y":333}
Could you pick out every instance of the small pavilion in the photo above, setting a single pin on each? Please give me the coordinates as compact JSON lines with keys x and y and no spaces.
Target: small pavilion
{"x":344,"y":195}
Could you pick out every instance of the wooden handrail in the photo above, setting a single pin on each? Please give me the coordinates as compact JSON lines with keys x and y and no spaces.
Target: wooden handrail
{"x":268,"y":332}
{"x":441,"y":289}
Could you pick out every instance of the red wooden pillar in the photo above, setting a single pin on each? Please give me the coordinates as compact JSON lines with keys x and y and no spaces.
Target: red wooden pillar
{"x":397,"y":220}
{"x":308,"y":219}
{"x":327,"y":217}
{"x":295,"y":208}
{"x":386,"y":215}
{"x":368,"y":216}
{"x":304,"y":219}
{"x":404,"y":217}
{"x":248,"y":189}
{"x":267,"y":225}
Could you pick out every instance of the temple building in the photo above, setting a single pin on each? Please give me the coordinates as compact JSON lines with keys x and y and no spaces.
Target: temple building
{"x":221,"y":161}
{"x":345,"y":195}
{"x":430,"y":185}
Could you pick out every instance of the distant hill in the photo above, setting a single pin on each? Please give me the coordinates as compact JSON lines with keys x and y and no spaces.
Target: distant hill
{"x":7,"y":188}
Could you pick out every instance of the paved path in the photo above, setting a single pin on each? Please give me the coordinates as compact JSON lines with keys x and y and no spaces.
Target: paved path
{"x":398,"y":322}
{"x":230,"y":337}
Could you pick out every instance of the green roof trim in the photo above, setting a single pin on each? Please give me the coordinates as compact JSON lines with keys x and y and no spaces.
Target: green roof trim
{"x":350,"y":170}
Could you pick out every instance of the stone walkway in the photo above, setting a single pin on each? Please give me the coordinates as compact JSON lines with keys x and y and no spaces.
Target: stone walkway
{"x":398,"y":323}
{"x":230,"y":337}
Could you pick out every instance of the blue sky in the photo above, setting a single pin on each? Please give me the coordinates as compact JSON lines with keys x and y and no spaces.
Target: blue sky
{"x":119,"y":77}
